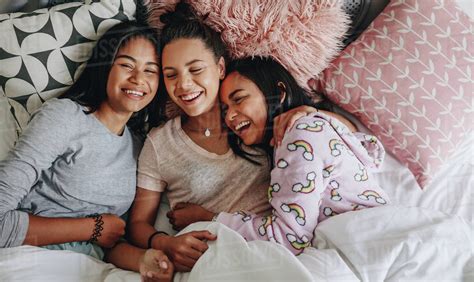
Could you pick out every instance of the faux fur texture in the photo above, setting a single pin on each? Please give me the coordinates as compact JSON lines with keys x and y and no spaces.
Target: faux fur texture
{"x":303,"y":35}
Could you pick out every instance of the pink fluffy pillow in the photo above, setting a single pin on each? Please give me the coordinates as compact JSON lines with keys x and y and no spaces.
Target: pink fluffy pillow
{"x":409,"y":79}
{"x":303,"y":35}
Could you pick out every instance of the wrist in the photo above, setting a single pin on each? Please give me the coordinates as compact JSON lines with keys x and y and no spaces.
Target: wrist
{"x":160,"y":241}
{"x":97,"y":228}
{"x":87,"y":229}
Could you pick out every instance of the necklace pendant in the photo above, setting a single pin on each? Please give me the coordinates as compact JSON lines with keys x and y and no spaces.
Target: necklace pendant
{"x":207,"y":132}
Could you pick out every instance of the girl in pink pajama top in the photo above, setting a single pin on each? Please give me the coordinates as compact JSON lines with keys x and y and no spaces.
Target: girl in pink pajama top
{"x":320,"y":169}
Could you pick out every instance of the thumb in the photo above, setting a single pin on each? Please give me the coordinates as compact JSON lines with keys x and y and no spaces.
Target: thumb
{"x":205,"y":235}
{"x":180,"y":205}
{"x":163,"y":264}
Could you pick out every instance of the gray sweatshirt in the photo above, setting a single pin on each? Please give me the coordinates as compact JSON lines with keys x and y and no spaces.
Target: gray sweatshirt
{"x":65,"y":164}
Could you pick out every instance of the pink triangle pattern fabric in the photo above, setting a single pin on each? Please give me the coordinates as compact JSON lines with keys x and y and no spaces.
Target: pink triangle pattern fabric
{"x":409,"y":79}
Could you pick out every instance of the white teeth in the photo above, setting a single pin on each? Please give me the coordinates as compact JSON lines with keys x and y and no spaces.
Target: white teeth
{"x":133,"y":92}
{"x":242,"y":124}
{"x":190,"y":96}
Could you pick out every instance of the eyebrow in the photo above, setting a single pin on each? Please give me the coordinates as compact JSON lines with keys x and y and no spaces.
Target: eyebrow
{"x":134,"y":60}
{"x":187,"y":64}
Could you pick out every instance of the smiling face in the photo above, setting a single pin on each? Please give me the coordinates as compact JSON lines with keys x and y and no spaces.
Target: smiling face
{"x":134,"y":76}
{"x":245,"y":108}
{"x":192,"y":75}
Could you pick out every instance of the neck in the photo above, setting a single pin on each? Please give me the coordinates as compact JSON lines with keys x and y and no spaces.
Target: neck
{"x":210,"y":120}
{"x":113,"y":120}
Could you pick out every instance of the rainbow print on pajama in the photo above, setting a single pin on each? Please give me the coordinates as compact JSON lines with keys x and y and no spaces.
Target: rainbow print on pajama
{"x":282,"y":164}
{"x":298,"y":210}
{"x":267,"y":221}
{"x":307,"y":149}
{"x":298,"y":243}
{"x":299,"y":187}
{"x":334,"y":194}
{"x":274,"y":188}
{"x":244,"y":215}
{"x":371,"y":194}
{"x":361,"y":175}
{"x":327,"y":211}
{"x":327,"y":171}
{"x":317,"y":126}
{"x":336,"y":146}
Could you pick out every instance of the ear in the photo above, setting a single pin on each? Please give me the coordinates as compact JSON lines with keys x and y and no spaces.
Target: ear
{"x":221,"y":66}
{"x":282,"y":87}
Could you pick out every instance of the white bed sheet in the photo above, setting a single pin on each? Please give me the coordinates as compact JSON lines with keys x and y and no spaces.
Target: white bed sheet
{"x":425,"y":235}
{"x":451,"y":190}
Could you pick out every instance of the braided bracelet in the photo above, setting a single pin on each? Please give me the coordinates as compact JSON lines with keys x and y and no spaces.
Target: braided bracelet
{"x":98,"y":227}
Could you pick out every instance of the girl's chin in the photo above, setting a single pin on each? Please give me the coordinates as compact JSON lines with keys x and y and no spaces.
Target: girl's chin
{"x":249,"y":141}
{"x":196,"y":110}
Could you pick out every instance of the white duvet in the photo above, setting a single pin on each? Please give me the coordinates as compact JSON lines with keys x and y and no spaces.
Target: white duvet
{"x":389,"y":243}
{"x":425,"y":236}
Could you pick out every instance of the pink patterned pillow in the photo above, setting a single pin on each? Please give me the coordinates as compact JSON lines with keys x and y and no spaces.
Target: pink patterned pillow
{"x":409,"y":79}
{"x":303,"y":35}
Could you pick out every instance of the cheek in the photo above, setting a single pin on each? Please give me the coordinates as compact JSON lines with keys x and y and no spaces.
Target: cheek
{"x":110,"y":83}
{"x":211,"y":84}
{"x":227,"y":121}
{"x":261,"y":118}
{"x":169,"y":86}
{"x":155,"y":83}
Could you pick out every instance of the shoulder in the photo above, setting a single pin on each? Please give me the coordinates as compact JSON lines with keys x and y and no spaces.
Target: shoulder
{"x":56,"y":111}
{"x":310,"y":124}
{"x":339,"y":118}
{"x":58,"y":107}
{"x":159,"y":132}
{"x":161,"y":135}
{"x":319,"y":123}
{"x":314,"y":130}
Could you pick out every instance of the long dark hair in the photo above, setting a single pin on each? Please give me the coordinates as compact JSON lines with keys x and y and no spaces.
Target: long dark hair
{"x":90,"y":89}
{"x":267,"y":74}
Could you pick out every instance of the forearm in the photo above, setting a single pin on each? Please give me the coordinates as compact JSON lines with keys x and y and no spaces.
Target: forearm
{"x":139,"y":233}
{"x":46,"y":231}
{"x":125,"y":256}
{"x":142,"y":216}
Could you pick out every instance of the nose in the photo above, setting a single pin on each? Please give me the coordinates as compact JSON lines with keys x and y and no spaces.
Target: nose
{"x":231,"y":114}
{"x":184,"y":82}
{"x":137,"y":77}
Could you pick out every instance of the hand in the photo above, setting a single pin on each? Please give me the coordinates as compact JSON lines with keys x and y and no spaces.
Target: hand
{"x":155,"y":266}
{"x":184,"y":250}
{"x":284,"y":122}
{"x":184,"y":214}
{"x":114,"y":228}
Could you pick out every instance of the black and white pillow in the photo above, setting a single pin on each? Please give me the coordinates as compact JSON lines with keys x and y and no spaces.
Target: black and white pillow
{"x":43,"y":52}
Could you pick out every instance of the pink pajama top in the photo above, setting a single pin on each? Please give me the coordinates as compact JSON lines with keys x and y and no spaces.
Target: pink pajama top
{"x":321,"y":169}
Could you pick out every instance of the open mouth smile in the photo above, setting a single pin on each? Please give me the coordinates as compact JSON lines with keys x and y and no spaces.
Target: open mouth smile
{"x":134,"y":93}
{"x":242,"y":125}
{"x":190,"y":97}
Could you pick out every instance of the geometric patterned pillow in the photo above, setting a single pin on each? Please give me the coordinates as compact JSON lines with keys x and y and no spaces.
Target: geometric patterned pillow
{"x":43,"y":52}
{"x":409,"y":78}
